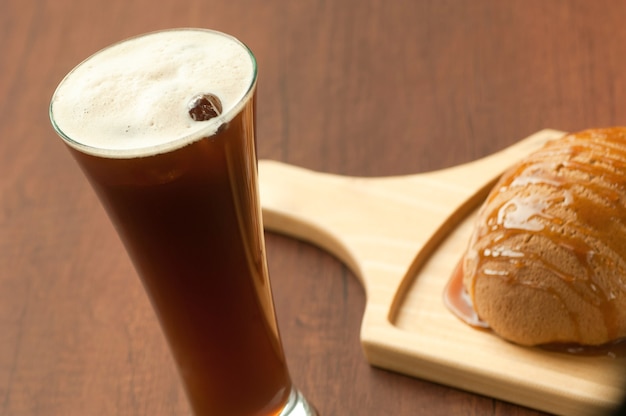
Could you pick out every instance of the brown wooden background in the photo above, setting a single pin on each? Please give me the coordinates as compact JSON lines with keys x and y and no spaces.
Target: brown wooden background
{"x":371,"y":87}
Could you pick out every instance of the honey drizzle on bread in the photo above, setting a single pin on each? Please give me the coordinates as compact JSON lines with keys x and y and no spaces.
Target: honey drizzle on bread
{"x":547,"y":260}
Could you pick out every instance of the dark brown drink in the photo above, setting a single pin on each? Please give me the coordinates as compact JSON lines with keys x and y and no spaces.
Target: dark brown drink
{"x":188,"y":213}
{"x":184,"y":219}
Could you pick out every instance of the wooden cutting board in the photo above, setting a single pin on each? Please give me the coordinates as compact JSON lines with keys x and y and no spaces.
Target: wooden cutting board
{"x":402,"y":237}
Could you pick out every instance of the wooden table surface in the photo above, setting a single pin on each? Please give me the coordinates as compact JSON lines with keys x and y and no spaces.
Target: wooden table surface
{"x":368,"y":88}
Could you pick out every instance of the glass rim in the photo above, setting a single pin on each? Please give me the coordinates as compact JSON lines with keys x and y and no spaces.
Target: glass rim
{"x":177,"y":141}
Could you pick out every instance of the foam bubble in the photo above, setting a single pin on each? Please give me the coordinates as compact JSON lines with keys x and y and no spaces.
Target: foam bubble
{"x":132,"y":98}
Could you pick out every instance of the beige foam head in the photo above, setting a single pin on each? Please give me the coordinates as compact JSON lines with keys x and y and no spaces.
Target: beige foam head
{"x":132,"y":98}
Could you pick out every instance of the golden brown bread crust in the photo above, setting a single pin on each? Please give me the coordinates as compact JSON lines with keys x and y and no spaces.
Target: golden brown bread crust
{"x":547,"y":260}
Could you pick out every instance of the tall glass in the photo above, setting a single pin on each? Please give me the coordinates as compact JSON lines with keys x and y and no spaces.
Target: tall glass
{"x":163,"y":126}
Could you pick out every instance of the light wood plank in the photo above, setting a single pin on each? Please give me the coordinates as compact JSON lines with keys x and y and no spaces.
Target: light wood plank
{"x":402,"y":237}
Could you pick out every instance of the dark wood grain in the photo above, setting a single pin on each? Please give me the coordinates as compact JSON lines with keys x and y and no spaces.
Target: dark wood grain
{"x":366,"y":88}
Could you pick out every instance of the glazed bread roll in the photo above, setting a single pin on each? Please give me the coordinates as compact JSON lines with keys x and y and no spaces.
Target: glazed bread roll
{"x":546,"y":263}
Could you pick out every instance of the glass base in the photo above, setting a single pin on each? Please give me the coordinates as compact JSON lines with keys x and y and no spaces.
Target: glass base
{"x":298,"y":406}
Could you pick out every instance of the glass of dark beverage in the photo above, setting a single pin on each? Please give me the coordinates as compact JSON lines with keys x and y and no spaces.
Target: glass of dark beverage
{"x":163,"y":127}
